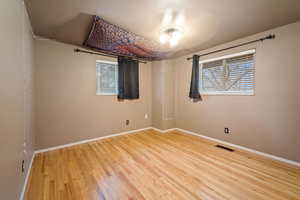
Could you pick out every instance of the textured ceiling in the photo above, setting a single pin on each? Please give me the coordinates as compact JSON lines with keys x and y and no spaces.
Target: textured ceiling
{"x":207,"y":22}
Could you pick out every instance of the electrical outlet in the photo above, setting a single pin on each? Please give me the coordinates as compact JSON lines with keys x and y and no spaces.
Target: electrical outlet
{"x":127,"y":122}
{"x":226,"y":130}
{"x":23,"y":166}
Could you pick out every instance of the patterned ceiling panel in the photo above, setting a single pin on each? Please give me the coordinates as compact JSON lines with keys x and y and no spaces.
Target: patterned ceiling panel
{"x":108,"y":37}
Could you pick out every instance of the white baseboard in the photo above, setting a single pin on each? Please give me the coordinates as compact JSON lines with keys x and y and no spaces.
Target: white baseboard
{"x":27,"y":177}
{"x":163,"y":131}
{"x":172,"y":129}
{"x":90,"y":140}
{"x":241,"y":147}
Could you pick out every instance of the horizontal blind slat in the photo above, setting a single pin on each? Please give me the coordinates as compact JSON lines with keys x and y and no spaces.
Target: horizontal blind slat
{"x":237,"y":75}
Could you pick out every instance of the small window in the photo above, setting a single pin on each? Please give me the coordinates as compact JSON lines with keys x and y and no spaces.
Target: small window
{"x":107,"y":78}
{"x":228,"y":75}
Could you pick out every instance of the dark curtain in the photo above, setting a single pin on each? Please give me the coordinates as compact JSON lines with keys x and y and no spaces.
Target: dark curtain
{"x":128,"y":79}
{"x":194,"y":89}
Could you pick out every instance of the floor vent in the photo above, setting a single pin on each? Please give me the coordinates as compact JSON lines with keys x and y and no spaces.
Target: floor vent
{"x":226,"y":148}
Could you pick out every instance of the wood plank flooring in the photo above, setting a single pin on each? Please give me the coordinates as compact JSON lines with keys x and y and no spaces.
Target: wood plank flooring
{"x":159,"y":166}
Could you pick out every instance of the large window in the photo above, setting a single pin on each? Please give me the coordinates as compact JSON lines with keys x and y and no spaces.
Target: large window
{"x":228,"y":75}
{"x":107,"y":77}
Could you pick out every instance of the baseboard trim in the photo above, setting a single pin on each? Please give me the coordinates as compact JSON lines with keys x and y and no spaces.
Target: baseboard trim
{"x":90,"y":140}
{"x":27,"y":177}
{"x":241,"y":147}
{"x":168,"y":130}
{"x":163,"y":131}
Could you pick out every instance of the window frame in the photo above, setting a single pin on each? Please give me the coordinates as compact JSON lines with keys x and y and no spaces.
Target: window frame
{"x":116,"y":76}
{"x":229,"y":93}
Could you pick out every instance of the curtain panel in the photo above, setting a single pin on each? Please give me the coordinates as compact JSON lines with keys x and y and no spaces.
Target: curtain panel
{"x":128,"y":78}
{"x":194,"y":88}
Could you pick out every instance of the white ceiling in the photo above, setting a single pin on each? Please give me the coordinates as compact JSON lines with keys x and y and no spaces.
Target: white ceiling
{"x":207,"y":22}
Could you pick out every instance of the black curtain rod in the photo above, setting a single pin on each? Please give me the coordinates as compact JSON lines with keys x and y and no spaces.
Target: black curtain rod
{"x":108,"y":55}
{"x":253,"y":41}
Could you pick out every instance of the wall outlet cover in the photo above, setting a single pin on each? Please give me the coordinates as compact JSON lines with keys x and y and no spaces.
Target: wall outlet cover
{"x":23,"y":166}
{"x":226,"y":130}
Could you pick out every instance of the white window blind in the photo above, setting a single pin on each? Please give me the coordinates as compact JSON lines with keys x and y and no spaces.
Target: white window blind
{"x":232,"y":76}
{"x":107,"y":78}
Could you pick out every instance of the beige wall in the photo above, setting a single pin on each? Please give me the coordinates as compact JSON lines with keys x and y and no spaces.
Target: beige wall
{"x":269,"y":121}
{"x":16,"y":97}
{"x":157,"y":94}
{"x":163,"y":104}
{"x":68,"y":109}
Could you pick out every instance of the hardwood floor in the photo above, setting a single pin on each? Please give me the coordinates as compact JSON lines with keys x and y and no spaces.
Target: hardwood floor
{"x":152,"y":165}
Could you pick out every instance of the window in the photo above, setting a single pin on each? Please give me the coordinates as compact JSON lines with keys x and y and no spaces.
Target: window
{"x":228,"y":75}
{"x":107,"y":78}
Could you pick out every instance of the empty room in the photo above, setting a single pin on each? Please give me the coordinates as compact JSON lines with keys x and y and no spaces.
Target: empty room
{"x":150,"y":100}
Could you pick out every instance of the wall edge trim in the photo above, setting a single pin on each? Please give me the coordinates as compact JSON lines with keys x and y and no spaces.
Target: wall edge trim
{"x":89,"y":140}
{"x":277,"y":158}
{"x":27,"y":177}
{"x":163,"y":131}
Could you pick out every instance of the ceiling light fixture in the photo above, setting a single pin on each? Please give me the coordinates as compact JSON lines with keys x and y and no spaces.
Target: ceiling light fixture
{"x":171,"y":35}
